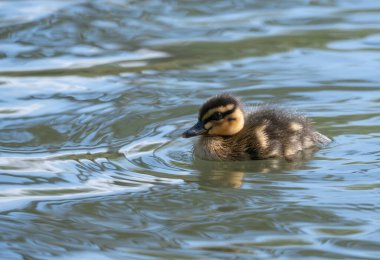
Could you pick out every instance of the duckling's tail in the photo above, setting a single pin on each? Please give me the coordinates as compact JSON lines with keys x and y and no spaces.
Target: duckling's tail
{"x":321,"y":140}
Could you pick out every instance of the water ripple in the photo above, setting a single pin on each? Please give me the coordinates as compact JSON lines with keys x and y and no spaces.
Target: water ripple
{"x":94,"y":97}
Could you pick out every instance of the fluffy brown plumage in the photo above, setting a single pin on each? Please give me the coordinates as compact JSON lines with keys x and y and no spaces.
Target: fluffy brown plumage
{"x":227,"y":132}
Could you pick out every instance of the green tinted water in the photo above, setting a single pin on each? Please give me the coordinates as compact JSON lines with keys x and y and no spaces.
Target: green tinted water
{"x":95,"y":94}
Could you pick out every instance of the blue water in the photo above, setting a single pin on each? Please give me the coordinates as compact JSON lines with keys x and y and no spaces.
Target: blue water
{"x":94,"y":96}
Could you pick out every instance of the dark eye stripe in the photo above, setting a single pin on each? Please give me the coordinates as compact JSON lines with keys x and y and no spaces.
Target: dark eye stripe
{"x":218,"y":115}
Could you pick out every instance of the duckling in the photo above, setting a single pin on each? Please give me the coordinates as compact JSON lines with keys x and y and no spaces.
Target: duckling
{"x":229,"y":133}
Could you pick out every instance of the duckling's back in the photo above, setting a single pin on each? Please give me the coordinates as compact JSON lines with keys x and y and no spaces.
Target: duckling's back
{"x":274,"y":132}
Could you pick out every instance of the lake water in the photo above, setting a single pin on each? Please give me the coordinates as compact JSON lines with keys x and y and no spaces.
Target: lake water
{"x":95,"y":94}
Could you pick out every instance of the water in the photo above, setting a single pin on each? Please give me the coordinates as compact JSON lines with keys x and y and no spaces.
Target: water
{"x":94,"y":97}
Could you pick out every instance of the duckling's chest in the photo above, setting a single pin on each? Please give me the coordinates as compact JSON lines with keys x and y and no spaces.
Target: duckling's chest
{"x":218,"y":148}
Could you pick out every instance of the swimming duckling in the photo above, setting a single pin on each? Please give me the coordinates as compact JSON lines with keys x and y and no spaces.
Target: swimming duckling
{"x":230,"y":133}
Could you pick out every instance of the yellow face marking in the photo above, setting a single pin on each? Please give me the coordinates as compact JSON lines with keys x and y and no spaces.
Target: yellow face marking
{"x":262,"y":137}
{"x":295,"y":127}
{"x":220,"y":109}
{"x":225,"y":127}
{"x":208,"y":125}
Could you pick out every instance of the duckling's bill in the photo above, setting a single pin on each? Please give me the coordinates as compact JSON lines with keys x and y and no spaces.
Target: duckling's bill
{"x":197,"y":129}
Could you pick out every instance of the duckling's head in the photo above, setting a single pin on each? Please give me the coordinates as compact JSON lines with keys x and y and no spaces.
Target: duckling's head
{"x":221,"y":115}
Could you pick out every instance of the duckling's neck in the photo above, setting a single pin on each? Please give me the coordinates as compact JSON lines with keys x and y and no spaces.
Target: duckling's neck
{"x":213,"y":147}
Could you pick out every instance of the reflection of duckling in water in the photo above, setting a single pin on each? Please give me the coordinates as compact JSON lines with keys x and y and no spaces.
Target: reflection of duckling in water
{"x":228,"y":133}
{"x":232,"y":175}
{"x":231,"y":179}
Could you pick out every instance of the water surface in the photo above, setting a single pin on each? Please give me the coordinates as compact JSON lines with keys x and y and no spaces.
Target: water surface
{"x":95,"y":94}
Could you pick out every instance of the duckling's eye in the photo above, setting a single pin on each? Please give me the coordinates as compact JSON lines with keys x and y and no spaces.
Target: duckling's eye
{"x":217,"y":116}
